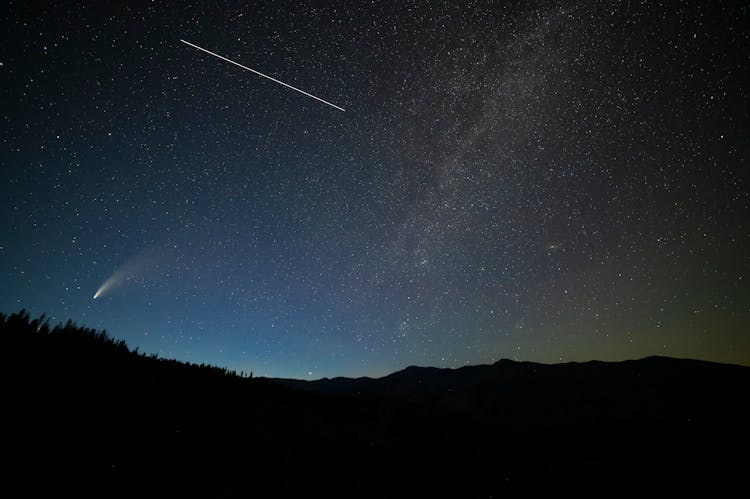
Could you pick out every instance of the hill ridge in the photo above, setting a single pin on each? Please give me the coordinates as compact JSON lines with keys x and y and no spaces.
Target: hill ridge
{"x":83,"y":414}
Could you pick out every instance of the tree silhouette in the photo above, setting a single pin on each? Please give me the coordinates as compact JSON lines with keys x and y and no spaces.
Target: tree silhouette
{"x":85,"y":413}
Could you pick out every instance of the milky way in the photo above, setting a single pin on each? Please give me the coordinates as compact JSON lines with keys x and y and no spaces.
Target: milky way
{"x":546,"y":181}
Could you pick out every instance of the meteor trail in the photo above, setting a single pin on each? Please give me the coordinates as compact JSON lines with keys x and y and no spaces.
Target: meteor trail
{"x":261,"y":74}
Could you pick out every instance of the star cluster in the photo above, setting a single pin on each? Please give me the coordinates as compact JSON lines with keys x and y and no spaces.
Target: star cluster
{"x":544,"y":181}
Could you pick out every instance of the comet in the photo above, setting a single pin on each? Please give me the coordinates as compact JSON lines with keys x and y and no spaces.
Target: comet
{"x":101,"y":290}
{"x":261,"y":74}
{"x":120,"y":276}
{"x":145,"y":263}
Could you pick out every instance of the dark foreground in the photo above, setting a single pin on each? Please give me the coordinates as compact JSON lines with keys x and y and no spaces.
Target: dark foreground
{"x":85,"y":415}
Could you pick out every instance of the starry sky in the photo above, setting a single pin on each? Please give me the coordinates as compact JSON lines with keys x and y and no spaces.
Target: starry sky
{"x":543,"y":181}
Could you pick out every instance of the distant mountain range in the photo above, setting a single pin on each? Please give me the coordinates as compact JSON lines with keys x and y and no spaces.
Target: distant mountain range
{"x":487,"y":387}
{"x":85,"y":415}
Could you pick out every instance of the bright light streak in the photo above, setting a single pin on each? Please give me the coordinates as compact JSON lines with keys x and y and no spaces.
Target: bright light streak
{"x":261,"y":74}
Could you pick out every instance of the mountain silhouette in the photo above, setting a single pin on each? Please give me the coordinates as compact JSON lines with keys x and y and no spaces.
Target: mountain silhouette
{"x":86,"y":415}
{"x":665,"y":380}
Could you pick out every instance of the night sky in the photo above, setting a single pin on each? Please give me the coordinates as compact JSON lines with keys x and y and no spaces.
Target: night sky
{"x":542,"y":181}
